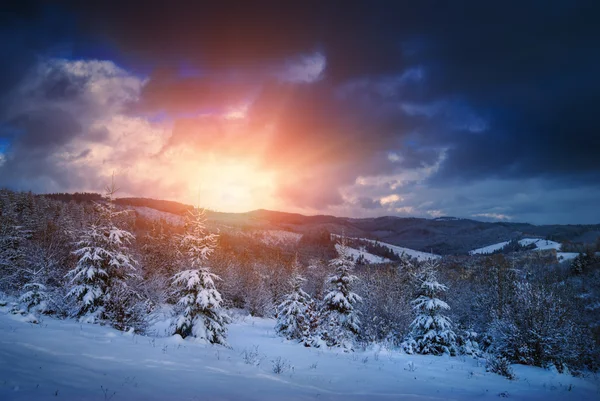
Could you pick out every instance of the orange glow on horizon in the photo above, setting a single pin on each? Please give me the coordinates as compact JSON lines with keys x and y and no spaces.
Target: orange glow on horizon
{"x":227,"y":185}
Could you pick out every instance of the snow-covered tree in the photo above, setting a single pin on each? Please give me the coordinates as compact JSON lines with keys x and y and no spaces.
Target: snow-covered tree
{"x":35,"y":297}
{"x":199,"y":310}
{"x":538,"y":329}
{"x":293,"y":319}
{"x":340,"y":322}
{"x":431,"y":330}
{"x":13,"y":239}
{"x":104,"y":263}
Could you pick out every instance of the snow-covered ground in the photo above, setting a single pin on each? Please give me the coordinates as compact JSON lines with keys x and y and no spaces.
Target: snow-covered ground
{"x":368,"y":257}
{"x":562,"y":256}
{"x":489,"y":249}
{"x":277,"y":237}
{"x":420,"y":256}
{"x":66,"y":360}
{"x":540,"y":245}
{"x":154,"y":214}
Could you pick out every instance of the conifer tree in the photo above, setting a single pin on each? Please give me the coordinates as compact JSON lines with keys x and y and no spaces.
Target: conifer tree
{"x":199,"y":310}
{"x":35,"y":297}
{"x":105,"y":262}
{"x":431,"y":330}
{"x":293,"y":319}
{"x":340,"y":321}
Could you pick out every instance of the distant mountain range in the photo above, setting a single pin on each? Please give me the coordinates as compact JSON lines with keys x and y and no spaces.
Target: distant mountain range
{"x":443,"y":236}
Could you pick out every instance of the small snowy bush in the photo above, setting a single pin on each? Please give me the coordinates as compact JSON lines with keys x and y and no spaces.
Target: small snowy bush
{"x":280,"y":365}
{"x":467,"y":343}
{"x":252,"y":356}
{"x":500,"y":365}
{"x":35,"y":297}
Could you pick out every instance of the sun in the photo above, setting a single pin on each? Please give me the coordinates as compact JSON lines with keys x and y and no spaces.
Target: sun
{"x":228,"y":185}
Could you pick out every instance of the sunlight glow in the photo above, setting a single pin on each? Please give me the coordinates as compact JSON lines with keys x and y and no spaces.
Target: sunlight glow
{"x":227,"y":185}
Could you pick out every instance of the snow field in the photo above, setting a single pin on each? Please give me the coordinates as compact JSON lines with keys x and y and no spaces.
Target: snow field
{"x":64,"y":359}
{"x":540,"y":245}
{"x":420,"y":256}
{"x":368,"y":257}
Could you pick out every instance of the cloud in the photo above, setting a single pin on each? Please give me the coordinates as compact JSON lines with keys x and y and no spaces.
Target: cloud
{"x":67,"y":132}
{"x":305,"y":69}
{"x":177,"y":95}
{"x":327,"y":108}
{"x":493,"y":216}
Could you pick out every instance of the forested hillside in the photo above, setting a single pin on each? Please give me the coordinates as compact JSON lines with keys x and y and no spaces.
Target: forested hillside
{"x":99,"y":261}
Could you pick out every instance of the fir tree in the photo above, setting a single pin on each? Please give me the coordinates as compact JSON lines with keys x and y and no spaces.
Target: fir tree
{"x":340,"y":321}
{"x":431,"y":330}
{"x":13,"y":241}
{"x":35,"y":297}
{"x":199,"y":311}
{"x":293,"y":320}
{"x":104,"y":263}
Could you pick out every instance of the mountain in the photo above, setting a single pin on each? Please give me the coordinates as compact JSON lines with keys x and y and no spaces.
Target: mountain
{"x":443,"y":236}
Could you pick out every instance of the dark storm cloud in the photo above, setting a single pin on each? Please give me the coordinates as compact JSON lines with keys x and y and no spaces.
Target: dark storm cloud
{"x":59,"y":86}
{"x":525,"y":66}
{"x":28,"y":30}
{"x":168,"y":91}
{"x":508,"y":89}
{"x":44,"y":129}
{"x":35,"y":137}
{"x":368,"y":203}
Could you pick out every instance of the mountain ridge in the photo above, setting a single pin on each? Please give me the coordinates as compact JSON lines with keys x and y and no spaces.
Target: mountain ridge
{"x":446,"y":235}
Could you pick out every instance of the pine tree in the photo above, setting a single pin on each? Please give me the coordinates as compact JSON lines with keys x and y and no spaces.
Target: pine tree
{"x":35,"y":297}
{"x":13,"y":241}
{"x":340,"y":321}
{"x":199,"y":311}
{"x":293,"y":320}
{"x":104,"y":264}
{"x":313,"y":319}
{"x":431,"y":330}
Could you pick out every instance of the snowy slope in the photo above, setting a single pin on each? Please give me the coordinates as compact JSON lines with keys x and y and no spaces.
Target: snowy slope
{"x":154,"y":214}
{"x":368,"y":257}
{"x":420,"y":256}
{"x":489,"y":248}
{"x":66,"y":360}
{"x":563,"y":256}
{"x":277,"y":237}
{"x":540,"y":245}
{"x":407,"y":251}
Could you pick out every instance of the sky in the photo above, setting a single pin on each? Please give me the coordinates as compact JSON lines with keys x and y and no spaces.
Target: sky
{"x":481,"y":110}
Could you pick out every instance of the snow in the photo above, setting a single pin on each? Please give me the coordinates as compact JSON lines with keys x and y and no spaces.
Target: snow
{"x":278,"y":237}
{"x":153,"y":214}
{"x":563,"y":256}
{"x":274,"y":237}
{"x":420,"y":256}
{"x":540,"y":245}
{"x":63,"y":359}
{"x":368,"y":257}
{"x":489,"y":248}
